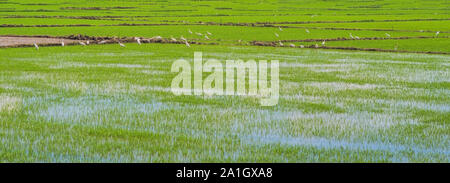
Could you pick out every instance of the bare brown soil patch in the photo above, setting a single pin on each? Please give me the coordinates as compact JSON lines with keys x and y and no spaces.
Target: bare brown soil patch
{"x":8,"y":41}
{"x":273,"y":44}
{"x":363,"y":38}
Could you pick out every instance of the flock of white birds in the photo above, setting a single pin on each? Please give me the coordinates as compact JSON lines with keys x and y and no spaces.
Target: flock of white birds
{"x":138,"y":40}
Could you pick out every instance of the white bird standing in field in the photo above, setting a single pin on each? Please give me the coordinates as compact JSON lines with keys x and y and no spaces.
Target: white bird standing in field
{"x":277,"y":34}
{"x":356,"y":37}
{"x":182,"y":38}
{"x":209,"y":33}
{"x":122,"y":45}
{"x":187,"y":44}
{"x":62,"y":43}
{"x":388,"y":35}
{"x":206,"y":37}
{"x":281,"y":44}
{"x":190,"y":32}
{"x":317,"y":46}
{"x":87,"y":42}
{"x":301,"y":46}
{"x":437,"y":33}
{"x":307,"y":31}
{"x":351,"y":36}
{"x":199,"y":34}
{"x":292,"y":45}
{"x":138,"y":41}
{"x":36,"y":46}
{"x":102,"y":42}
{"x":280,"y":28}
{"x":323,"y":43}
{"x":83,"y":44}
{"x":173,"y":39}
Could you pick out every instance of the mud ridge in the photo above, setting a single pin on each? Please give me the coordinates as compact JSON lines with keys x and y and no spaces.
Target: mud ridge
{"x":77,"y":39}
{"x":363,"y":38}
{"x":355,"y":21}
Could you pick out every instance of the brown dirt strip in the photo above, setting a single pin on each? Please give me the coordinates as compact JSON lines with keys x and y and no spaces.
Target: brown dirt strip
{"x":323,"y":28}
{"x":69,"y":25}
{"x":96,"y":8}
{"x":77,"y":17}
{"x":109,"y":17}
{"x":88,"y":25}
{"x":273,"y":44}
{"x":358,"y":29}
{"x":363,"y":38}
{"x":17,"y":41}
{"x":356,"y":21}
{"x":286,"y":22}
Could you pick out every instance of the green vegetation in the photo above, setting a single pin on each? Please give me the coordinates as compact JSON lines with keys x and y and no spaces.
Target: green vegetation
{"x":106,"y":103}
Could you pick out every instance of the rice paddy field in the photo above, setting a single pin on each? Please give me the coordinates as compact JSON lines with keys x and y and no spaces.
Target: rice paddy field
{"x":360,"y":81}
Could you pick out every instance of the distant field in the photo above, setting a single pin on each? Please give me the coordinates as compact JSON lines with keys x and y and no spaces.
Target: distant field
{"x":107,"y":103}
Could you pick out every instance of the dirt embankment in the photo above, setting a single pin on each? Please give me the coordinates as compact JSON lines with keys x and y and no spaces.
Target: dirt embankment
{"x":7,"y":41}
{"x":18,"y":41}
{"x":316,"y":46}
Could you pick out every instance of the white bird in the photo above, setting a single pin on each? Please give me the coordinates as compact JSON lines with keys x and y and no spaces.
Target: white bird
{"x":277,"y":34}
{"x":102,"y":42}
{"x":323,"y":43}
{"x":239,"y":41}
{"x":36,"y":46}
{"x":138,"y":41}
{"x":209,"y":33}
{"x":199,"y":34}
{"x":182,"y":38}
{"x":307,"y":31}
{"x":173,"y":39}
{"x":190,"y":32}
{"x":356,"y":37}
{"x":122,"y":45}
{"x":292,"y":45}
{"x":84,"y":44}
{"x":187,"y":44}
{"x":62,"y":43}
{"x":281,"y":44}
{"x":301,"y":46}
{"x":87,"y":42}
{"x":280,"y":28}
{"x":388,"y":35}
{"x":316,"y":45}
{"x":206,"y":37}
{"x":437,"y":33}
{"x":351,"y":36}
